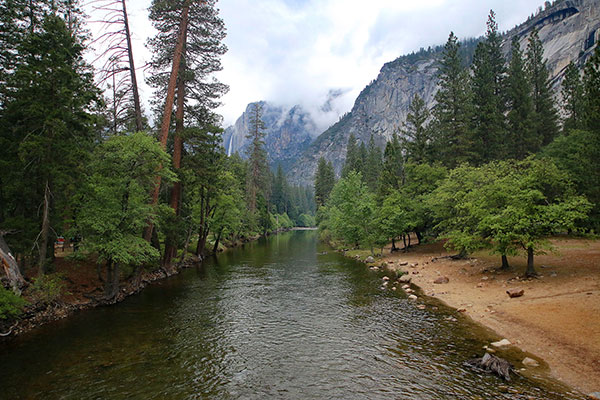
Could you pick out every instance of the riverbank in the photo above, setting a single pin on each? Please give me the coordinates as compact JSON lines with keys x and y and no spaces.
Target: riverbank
{"x":84,"y":289}
{"x":557,"y":318}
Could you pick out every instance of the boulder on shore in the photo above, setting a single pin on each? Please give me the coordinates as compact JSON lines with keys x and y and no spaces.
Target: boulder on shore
{"x":515,"y":292}
{"x":530,"y":362}
{"x":501,"y":343}
{"x":404,"y":278}
{"x":441,"y":280}
{"x":370,"y":260}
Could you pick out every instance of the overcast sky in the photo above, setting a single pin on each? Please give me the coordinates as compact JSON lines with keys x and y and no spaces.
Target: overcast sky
{"x":294,"y":51}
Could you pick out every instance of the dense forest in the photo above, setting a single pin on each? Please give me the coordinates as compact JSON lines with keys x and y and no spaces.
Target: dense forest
{"x":496,"y":163}
{"x":83,"y":168}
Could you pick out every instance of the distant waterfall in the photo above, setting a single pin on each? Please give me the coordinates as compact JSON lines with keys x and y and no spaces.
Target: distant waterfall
{"x":229,"y":147}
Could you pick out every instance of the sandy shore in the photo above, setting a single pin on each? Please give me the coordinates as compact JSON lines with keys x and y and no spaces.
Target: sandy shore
{"x":558,"y":317}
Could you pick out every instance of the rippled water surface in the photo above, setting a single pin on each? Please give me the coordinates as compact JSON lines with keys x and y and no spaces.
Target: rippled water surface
{"x":275,"y":320}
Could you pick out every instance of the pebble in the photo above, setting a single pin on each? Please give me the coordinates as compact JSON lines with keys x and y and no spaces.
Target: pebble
{"x":405,"y":286}
{"x":403,"y":263}
{"x":386,"y":278}
{"x":421,"y":306}
{"x":412,"y":297}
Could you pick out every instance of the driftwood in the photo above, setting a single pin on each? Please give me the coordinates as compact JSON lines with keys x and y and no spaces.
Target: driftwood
{"x":9,"y":331}
{"x":492,"y":365}
{"x":10,"y":266}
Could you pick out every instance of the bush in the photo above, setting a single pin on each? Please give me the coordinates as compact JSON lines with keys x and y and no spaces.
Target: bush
{"x":306,"y":221}
{"x":47,"y":289}
{"x":11,"y":305}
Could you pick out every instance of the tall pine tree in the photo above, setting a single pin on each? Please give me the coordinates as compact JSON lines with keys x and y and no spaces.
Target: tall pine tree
{"x":416,"y":139}
{"x":573,"y":100}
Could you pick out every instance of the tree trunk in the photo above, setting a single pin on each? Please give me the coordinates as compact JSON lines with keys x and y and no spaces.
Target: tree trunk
{"x":505,"y":265}
{"x":45,"y":230}
{"x":166,"y":122}
{"x":393,"y":245}
{"x":408,"y":240}
{"x":530,"y":267}
{"x":217,"y":240}
{"x":186,"y":245}
{"x":171,"y":247}
{"x":10,"y":266}
{"x":134,"y":86}
{"x":419,"y":236}
{"x":404,"y":241}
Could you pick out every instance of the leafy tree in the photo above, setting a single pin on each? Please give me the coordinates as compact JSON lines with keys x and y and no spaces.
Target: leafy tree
{"x":521,"y":139}
{"x":324,"y":181}
{"x":350,"y":212}
{"x":508,"y":206}
{"x":115,"y":204}
{"x":572,"y":94}
{"x":543,"y":102}
{"x":452,"y":112}
{"x":416,"y":140}
{"x":489,"y":96}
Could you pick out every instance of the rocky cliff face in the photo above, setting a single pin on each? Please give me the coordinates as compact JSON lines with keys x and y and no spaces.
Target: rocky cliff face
{"x":289,"y":132}
{"x":568,"y":30}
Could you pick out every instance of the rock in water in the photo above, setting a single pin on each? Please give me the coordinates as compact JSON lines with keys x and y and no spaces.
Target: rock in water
{"x":501,"y":343}
{"x":530,"y":362}
{"x":515,"y":292}
{"x":492,"y":365}
{"x":594,"y":396}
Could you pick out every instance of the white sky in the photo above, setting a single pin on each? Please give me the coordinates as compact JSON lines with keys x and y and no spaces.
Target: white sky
{"x":294,"y":51}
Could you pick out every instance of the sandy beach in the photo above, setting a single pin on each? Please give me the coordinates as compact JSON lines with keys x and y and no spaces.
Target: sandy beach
{"x":558,"y":317}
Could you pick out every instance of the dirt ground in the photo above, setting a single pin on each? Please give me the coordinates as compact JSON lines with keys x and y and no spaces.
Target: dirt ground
{"x":558,"y":317}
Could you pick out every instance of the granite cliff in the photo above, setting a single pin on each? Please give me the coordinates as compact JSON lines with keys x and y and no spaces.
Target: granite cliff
{"x":568,"y":30}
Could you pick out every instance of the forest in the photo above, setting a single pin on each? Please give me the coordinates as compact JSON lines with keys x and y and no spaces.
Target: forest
{"x":85,"y":167}
{"x":496,"y":164}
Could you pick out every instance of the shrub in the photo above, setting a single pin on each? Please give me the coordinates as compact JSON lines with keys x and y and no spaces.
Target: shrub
{"x":47,"y":289}
{"x":11,"y":305}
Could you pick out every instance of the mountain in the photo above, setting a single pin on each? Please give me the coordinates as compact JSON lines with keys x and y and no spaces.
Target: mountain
{"x":568,"y":30}
{"x":289,"y":132}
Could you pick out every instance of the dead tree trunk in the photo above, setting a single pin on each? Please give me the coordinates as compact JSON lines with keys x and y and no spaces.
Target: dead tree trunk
{"x":166,"y":122}
{"x":10,"y":266}
{"x":134,"y":86}
{"x":45,"y":230}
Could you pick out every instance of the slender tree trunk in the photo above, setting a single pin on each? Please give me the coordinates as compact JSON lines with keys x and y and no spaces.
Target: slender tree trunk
{"x":109,"y":280}
{"x":530,"y":267}
{"x":393,"y":245}
{"x":404,"y":241}
{"x":134,"y":86}
{"x":45,"y":230}
{"x":166,"y":122}
{"x":505,"y":264}
{"x":408,"y":240}
{"x":186,"y":245}
{"x":10,"y":266}
{"x":217,"y":240}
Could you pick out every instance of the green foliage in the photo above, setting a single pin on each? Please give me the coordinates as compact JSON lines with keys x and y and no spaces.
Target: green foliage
{"x":115,"y":206}
{"x":572,"y":94}
{"x":11,"y":305}
{"x":416,"y":138}
{"x":591,"y":83}
{"x":324,"y":181}
{"x":306,"y":221}
{"x":48,"y":289}
{"x":507,"y":205}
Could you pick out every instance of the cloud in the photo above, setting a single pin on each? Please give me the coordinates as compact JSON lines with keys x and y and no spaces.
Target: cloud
{"x":295,"y":51}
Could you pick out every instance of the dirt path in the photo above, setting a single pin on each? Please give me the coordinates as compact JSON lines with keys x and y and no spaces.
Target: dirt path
{"x":557,"y":318}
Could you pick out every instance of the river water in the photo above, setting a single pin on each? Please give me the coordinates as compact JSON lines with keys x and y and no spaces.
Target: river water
{"x":274,"y":320}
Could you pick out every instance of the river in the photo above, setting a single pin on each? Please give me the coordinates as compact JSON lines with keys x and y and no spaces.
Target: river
{"x":274,"y":320}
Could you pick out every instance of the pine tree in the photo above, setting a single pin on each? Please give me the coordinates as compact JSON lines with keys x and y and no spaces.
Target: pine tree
{"x":416,"y":139}
{"x":452,"y":114}
{"x":256,"y":183}
{"x":591,"y":82}
{"x":324,"y":181}
{"x":489,"y":96}
{"x":392,"y":173}
{"x":372,"y":165}
{"x":46,"y":120}
{"x":572,"y":94}
{"x":353,"y":157}
{"x":521,"y":138}
{"x":543,"y":102}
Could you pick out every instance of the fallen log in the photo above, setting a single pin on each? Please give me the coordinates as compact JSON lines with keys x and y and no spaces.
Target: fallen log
{"x":492,"y":365}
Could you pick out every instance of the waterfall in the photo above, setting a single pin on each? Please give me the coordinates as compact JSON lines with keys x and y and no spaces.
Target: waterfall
{"x":229,"y":147}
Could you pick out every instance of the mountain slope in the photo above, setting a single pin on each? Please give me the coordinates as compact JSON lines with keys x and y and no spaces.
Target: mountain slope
{"x":568,"y":31}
